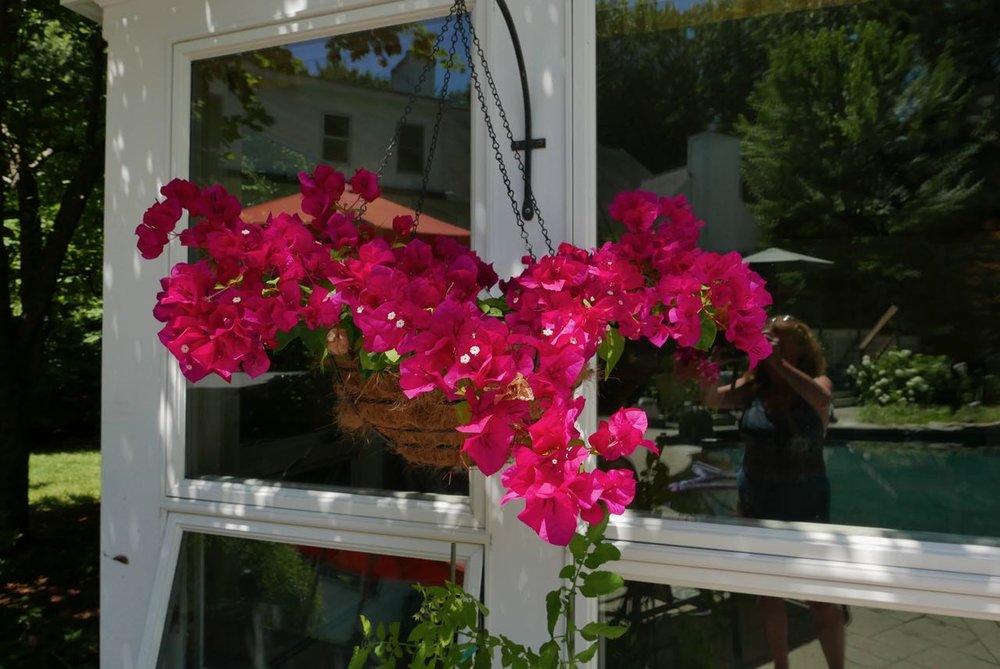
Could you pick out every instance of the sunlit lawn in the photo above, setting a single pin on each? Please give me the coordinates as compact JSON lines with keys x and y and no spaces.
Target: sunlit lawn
{"x":59,"y":479}
{"x":921,"y":415}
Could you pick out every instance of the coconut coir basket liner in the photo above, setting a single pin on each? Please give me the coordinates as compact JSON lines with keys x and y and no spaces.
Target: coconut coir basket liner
{"x":421,"y":430}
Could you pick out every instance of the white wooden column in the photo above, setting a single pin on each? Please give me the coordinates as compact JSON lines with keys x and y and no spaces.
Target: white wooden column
{"x":519,"y":568}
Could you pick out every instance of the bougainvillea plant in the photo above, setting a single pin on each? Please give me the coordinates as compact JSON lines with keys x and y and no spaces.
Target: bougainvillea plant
{"x":510,"y":354}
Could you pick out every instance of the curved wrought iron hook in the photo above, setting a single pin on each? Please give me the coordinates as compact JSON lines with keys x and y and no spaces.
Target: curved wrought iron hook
{"x":529,"y":143}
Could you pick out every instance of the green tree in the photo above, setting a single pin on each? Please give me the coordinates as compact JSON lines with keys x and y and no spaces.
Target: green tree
{"x":52,"y":66}
{"x":856,"y":134}
{"x":869,"y":139}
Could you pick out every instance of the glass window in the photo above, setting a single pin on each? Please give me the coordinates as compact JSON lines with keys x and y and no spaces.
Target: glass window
{"x":848,"y":150}
{"x":411,"y":148}
{"x":248,"y":603}
{"x":255,"y":120}
{"x":688,"y":628}
{"x":336,"y":138}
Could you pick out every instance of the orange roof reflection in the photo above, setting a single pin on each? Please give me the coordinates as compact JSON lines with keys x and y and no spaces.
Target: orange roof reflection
{"x":378,"y":215}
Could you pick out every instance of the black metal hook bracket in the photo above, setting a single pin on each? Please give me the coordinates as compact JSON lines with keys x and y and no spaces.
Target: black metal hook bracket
{"x":531,"y":143}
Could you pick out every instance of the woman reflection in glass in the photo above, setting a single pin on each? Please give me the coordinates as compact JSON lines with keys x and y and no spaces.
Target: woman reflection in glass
{"x":786,"y":408}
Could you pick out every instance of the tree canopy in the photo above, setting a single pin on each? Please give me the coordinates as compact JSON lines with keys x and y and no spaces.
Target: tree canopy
{"x":52,"y":66}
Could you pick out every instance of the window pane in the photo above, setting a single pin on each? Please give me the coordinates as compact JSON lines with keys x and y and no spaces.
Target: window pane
{"x":849,"y":150}
{"x":335,"y":150}
{"x":258,"y":119}
{"x":247,"y":603}
{"x":687,"y":628}
{"x":411,"y":148}
{"x":336,"y":126}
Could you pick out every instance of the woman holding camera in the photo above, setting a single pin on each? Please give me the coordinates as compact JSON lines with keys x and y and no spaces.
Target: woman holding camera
{"x":786,"y":408}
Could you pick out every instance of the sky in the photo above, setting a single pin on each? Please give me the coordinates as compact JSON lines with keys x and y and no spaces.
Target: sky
{"x":313,"y":54}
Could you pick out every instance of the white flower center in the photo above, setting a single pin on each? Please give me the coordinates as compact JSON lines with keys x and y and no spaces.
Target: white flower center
{"x":237,"y":300}
{"x":465,"y":359}
{"x":400,"y":323}
{"x":245,"y":232}
{"x":359,"y":310}
{"x":474,"y":350}
{"x":185,"y":348}
{"x":547,"y":332}
{"x":390,"y":315}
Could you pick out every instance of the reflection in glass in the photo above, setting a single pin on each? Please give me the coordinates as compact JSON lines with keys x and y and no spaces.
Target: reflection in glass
{"x":849,"y":149}
{"x":673,"y":627}
{"x":259,"y":118}
{"x":246,"y":603}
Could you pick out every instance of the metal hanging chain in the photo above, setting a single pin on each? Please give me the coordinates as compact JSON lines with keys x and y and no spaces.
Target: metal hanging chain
{"x":442,"y":102}
{"x":506,"y":124}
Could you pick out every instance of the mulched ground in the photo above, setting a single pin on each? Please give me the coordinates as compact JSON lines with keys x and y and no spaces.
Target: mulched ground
{"x":49,"y":592}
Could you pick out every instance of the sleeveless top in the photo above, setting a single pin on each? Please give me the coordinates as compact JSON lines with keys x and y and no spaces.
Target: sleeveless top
{"x":784,"y":446}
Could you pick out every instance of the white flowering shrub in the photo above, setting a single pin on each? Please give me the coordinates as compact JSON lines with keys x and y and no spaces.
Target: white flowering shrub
{"x":901,"y":376}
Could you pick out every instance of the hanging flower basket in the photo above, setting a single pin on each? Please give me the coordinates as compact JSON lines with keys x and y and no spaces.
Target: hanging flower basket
{"x":435,"y":355}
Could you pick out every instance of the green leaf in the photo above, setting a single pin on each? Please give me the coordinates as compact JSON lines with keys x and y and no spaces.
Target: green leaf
{"x":610,"y":350}
{"x":366,"y":626}
{"x":463,"y":412}
{"x":359,"y":657}
{"x":553,"y":607}
{"x":372,"y":362}
{"x":484,"y":659}
{"x":315,"y":340}
{"x":578,"y":546}
{"x":601,"y":554}
{"x":567,"y":571}
{"x":548,"y":655}
{"x":595,"y":533}
{"x":587,"y":654}
{"x":285,"y":338}
{"x":495,"y":307}
{"x":591,"y":631}
{"x":599,"y":583}
{"x":708,"y":331}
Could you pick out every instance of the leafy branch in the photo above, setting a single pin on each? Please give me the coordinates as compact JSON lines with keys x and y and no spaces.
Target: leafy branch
{"x":449,"y":631}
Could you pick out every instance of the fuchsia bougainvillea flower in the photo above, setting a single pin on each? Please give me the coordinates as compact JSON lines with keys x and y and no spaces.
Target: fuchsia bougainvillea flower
{"x":510,"y":355}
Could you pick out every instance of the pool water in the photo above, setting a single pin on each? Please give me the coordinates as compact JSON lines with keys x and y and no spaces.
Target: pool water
{"x":907,"y":486}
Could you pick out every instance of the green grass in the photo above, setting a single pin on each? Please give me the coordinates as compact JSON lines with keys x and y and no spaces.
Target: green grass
{"x":921,"y":415}
{"x":64,"y":478}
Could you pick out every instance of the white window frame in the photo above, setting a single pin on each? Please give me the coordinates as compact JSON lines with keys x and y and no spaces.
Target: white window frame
{"x":179,"y":524}
{"x":854,"y":565}
{"x":426,"y":515}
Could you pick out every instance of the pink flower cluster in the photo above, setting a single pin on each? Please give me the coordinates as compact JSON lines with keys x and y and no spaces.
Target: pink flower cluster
{"x":514,"y":365}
